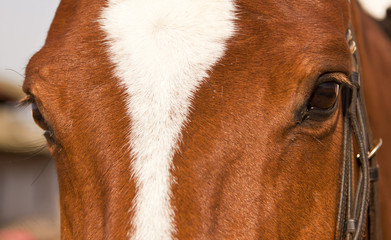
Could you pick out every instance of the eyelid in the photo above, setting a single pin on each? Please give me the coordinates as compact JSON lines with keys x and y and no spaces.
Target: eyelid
{"x":26,"y":100}
{"x":338,"y":77}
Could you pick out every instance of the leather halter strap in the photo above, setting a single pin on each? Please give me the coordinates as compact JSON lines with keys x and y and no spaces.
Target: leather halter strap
{"x":358,"y":203}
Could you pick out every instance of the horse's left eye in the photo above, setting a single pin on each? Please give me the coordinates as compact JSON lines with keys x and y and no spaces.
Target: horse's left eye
{"x":37,"y":116}
{"x":41,"y":122}
{"x":324,"y":97}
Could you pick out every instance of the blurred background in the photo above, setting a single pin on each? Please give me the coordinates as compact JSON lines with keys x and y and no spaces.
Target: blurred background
{"x":28,"y":182}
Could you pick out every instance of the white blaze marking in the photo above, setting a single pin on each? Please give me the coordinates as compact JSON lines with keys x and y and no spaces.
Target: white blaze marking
{"x":162,"y":50}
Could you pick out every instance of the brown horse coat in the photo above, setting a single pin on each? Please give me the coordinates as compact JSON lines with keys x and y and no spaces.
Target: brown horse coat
{"x":241,"y":162}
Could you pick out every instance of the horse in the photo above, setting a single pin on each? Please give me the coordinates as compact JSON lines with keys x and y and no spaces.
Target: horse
{"x":183,"y":119}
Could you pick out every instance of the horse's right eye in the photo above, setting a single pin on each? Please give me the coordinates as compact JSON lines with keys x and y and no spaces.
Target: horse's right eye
{"x":323,"y":101}
{"x":324,"y":97}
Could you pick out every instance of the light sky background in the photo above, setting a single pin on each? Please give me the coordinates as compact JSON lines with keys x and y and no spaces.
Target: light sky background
{"x":23,"y":28}
{"x":24,"y":25}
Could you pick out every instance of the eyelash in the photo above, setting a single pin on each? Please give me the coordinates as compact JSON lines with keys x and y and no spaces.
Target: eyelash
{"x":26,"y":101}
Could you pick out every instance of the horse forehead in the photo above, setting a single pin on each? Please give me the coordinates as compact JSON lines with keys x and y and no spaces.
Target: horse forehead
{"x":73,"y":17}
{"x":79,"y":19}
{"x":305,"y":14}
{"x":71,"y":14}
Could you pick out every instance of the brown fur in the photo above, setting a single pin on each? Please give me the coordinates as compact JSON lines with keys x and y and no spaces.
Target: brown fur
{"x":74,"y":88}
{"x":245,"y":169}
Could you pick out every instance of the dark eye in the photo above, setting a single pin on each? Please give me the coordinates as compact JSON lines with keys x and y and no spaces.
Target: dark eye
{"x":37,"y":116}
{"x":40,"y":121}
{"x":324,"y":97}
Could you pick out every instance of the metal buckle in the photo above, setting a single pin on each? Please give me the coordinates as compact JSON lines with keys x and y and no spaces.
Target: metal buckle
{"x":374,"y":150}
{"x":373,"y":171}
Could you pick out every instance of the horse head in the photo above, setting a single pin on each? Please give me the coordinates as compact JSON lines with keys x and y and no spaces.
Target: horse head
{"x":195,"y":119}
